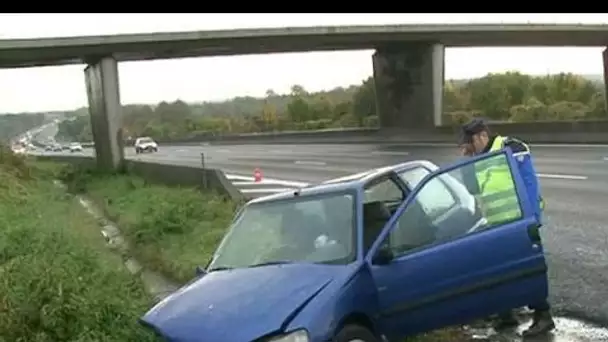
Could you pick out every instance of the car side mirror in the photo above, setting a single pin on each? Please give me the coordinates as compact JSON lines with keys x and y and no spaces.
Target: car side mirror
{"x":383,"y":256}
{"x":199,"y":271}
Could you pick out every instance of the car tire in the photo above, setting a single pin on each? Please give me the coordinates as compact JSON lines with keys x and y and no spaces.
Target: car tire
{"x":136,"y":151}
{"x":352,"y":333}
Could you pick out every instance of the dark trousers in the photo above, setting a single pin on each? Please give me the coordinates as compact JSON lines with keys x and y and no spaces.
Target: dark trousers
{"x":541,"y":306}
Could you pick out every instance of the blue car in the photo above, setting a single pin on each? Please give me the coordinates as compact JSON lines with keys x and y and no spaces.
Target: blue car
{"x":377,"y":256}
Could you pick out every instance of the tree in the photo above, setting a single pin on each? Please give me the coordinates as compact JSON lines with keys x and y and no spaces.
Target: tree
{"x":298,"y":91}
{"x":298,"y":110}
{"x":509,"y":96}
{"x":364,"y":100}
{"x":269,"y":116}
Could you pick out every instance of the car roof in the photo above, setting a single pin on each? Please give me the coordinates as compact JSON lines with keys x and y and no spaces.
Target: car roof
{"x":350,"y":182}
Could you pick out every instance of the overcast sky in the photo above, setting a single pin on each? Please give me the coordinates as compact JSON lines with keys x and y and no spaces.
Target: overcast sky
{"x":214,"y":78}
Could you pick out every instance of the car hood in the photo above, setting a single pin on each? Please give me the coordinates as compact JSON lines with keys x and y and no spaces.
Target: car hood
{"x":239,"y":305}
{"x":146,"y":144}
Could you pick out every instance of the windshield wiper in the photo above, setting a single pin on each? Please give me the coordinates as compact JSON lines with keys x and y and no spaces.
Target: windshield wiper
{"x":268,"y":263}
{"x":220,"y":268}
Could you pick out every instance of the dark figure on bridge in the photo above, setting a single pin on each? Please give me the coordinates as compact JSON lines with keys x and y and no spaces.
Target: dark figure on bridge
{"x":476,"y":139}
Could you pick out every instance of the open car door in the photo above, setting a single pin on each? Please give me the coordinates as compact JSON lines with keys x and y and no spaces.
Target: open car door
{"x":426,"y":280}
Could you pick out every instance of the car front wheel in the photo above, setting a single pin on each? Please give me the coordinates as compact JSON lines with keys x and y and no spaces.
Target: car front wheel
{"x":355,"y":333}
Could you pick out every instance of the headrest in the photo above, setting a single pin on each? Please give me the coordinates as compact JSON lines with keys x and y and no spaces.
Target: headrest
{"x":375,"y":211}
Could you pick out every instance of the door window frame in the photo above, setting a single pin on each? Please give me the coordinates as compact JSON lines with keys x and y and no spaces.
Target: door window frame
{"x":520,"y":189}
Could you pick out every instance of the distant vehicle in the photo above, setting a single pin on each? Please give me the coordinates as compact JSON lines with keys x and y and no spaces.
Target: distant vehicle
{"x":57,"y":148}
{"x":383,"y":255}
{"x":145,"y":144}
{"x":48,"y":148}
{"x":19,"y":150}
{"x":75,"y":147}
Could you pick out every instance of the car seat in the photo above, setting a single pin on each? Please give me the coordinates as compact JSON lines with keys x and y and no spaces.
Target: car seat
{"x":375,"y":216}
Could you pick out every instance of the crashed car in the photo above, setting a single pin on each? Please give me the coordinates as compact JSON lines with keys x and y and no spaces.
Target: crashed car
{"x":378,"y":256}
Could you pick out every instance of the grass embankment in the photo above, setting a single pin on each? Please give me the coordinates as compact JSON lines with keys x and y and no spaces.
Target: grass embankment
{"x":58,"y":281}
{"x":172,"y":230}
{"x":169,"y":230}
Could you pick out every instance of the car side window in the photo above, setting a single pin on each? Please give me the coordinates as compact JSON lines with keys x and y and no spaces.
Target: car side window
{"x":384,"y":191}
{"x":436,"y":199}
{"x":425,"y":222}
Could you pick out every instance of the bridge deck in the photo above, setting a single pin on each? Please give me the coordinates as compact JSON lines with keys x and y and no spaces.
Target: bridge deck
{"x":16,"y":53}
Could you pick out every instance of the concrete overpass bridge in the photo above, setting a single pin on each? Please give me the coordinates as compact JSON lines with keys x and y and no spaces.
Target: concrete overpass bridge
{"x":408,"y":62}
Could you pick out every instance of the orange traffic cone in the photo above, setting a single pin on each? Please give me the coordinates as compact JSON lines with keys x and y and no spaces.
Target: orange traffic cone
{"x":257,"y":175}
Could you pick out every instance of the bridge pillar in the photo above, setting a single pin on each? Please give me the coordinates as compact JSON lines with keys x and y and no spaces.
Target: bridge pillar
{"x":409,"y":85}
{"x":101,"y":77}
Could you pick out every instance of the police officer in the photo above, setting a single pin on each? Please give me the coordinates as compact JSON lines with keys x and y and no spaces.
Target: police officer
{"x":476,"y":134}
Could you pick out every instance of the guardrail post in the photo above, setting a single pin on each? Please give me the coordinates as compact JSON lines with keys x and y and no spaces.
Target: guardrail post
{"x":204,"y":170}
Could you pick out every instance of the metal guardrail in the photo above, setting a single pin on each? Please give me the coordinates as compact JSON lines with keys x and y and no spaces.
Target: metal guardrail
{"x":558,"y":132}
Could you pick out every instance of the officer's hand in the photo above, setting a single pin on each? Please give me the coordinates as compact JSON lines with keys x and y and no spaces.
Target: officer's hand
{"x":482,"y":207}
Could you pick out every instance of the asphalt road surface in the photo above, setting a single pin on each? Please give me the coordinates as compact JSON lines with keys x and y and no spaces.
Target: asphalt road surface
{"x":574,"y":183}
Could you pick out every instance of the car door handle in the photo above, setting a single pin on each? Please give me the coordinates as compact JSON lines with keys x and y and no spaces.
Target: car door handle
{"x":534,"y":233}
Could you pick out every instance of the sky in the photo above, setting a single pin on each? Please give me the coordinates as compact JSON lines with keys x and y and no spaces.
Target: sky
{"x":218,"y":78}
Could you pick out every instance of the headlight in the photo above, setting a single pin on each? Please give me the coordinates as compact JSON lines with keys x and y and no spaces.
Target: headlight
{"x":294,"y":336}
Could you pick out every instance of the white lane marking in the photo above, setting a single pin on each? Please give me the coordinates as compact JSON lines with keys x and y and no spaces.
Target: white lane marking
{"x":223,"y":150}
{"x":181,"y":150}
{"x":572,"y":177}
{"x":276,"y":151}
{"x":309,"y":162}
{"x":605,"y":158}
{"x":267,"y":181}
{"x":261,"y":191}
{"x":391,"y":153}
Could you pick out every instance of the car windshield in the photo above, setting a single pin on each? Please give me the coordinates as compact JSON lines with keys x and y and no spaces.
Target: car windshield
{"x":314,"y":229}
{"x":145,"y":140}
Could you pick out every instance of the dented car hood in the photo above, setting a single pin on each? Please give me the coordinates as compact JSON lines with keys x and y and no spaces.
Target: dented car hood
{"x":240,"y":304}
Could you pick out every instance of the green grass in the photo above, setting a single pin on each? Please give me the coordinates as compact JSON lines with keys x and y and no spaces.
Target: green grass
{"x":58,"y":280}
{"x":170,"y":230}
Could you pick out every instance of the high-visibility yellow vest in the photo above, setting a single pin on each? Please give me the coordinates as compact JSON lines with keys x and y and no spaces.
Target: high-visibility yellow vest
{"x":497,"y":188}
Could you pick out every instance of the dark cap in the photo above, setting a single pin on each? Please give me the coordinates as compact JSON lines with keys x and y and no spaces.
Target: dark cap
{"x":468,"y":130}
